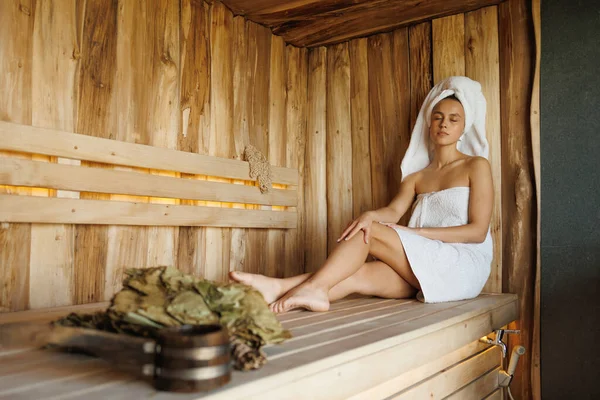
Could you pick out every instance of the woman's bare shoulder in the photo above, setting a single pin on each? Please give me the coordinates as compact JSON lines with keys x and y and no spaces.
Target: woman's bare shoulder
{"x":477,"y":162}
{"x":479,"y":169}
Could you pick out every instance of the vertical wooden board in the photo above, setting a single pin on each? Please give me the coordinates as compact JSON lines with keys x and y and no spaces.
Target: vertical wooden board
{"x":362,"y":199}
{"x":535,"y":144}
{"x":448,"y":35}
{"x":240,"y":134}
{"x":339,"y":143}
{"x":482,"y":65}
{"x":55,"y":68}
{"x":16,"y":46}
{"x":315,"y":198}
{"x":241,"y":72}
{"x":218,"y":241}
{"x":401,"y":73}
{"x":384,"y":123}
{"x":297,"y":75}
{"x":277,"y":146}
{"x":194,"y":133}
{"x":128,"y":245}
{"x":518,"y":234}
{"x":257,"y":102}
{"x":421,"y":77}
{"x":96,"y":85}
{"x":164,"y":114}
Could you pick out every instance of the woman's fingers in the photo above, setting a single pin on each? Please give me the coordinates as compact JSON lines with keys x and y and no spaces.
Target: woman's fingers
{"x":348,"y":229}
{"x":356,"y":229}
{"x":367,"y":234}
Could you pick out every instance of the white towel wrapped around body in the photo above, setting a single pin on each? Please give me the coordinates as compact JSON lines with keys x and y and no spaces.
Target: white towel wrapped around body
{"x":446,"y":271}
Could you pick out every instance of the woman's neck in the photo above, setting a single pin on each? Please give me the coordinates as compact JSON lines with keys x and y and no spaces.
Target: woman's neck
{"x":444,"y":155}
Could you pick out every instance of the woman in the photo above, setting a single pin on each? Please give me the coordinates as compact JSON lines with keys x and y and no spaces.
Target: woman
{"x":446,"y":250}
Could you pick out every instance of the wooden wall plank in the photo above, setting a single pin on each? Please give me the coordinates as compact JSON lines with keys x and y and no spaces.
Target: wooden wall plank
{"x":315,"y":189}
{"x":164,"y":115}
{"x":96,"y":86}
{"x":421,"y":74}
{"x":482,"y":65}
{"x":162,"y":241}
{"x":80,"y":211}
{"x":339,"y":143}
{"x":448,"y":38}
{"x":296,"y":105}
{"x":401,"y":138}
{"x":258,"y":65}
{"x":239,"y":237}
{"x":218,"y":241}
{"x":384,"y":110}
{"x":277,"y":145}
{"x":362,"y":199}
{"x":130,"y":110}
{"x":535,"y":144}
{"x":56,"y":39}
{"x":519,"y":241}
{"x":16,"y":47}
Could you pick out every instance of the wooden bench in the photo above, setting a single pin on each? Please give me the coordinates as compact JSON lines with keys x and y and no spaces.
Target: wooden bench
{"x":363,"y":348}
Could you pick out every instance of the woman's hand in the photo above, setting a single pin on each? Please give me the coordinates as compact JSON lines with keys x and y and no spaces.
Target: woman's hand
{"x":362,"y":223}
{"x":396,"y":226}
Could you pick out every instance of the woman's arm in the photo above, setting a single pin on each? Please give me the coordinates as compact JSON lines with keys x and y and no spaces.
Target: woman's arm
{"x":480,"y":209}
{"x":399,"y":204}
{"x":392,"y":212}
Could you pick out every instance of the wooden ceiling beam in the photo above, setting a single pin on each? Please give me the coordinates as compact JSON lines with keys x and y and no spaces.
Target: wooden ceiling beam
{"x":310,"y":23}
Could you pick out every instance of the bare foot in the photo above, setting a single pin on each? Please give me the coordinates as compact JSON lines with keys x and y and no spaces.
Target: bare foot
{"x":270,"y":288}
{"x":304,"y":296}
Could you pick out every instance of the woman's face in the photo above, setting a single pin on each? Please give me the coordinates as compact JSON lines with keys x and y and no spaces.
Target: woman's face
{"x":447,"y":122}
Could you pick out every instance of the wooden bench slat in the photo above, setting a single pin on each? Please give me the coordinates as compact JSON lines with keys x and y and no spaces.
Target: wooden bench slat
{"x":74,"y":367}
{"x":14,"y":208}
{"x":496,"y":395}
{"x":357,"y":327}
{"x":21,"y":172}
{"x":454,"y":378}
{"x":52,"y":142}
{"x":344,"y":303}
{"x":343,"y":314}
{"x":88,"y":386}
{"x":480,"y":388}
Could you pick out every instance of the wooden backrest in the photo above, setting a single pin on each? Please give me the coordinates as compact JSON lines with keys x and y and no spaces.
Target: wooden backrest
{"x":203,"y":182}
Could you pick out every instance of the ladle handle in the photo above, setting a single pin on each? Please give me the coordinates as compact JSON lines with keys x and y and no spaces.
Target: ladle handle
{"x":125,"y":352}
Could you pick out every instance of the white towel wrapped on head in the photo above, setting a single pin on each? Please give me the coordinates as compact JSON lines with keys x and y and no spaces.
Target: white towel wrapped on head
{"x":473,"y":141}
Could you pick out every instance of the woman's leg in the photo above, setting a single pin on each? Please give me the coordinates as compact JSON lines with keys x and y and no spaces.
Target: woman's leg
{"x":372,"y":279}
{"x":271,"y":288}
{"x":343,"y":262}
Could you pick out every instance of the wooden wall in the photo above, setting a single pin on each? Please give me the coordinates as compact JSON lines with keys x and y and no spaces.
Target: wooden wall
{"x":364,"y":97}
{"x":183,"y":75}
